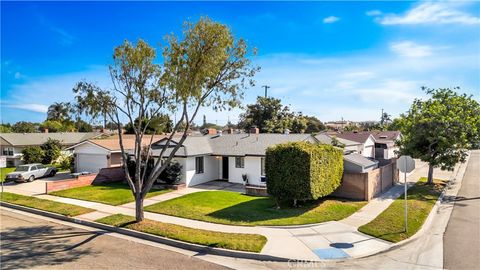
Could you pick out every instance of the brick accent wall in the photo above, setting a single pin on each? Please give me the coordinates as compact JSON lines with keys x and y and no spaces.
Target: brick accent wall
{"x":111,"y":174}
{"x":366,"y":186}
{"x":81,"y":181}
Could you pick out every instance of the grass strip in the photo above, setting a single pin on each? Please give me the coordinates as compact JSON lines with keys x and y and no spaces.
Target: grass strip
{"x":65,"y":209}
{"x":390,"y":224}
{"x":111,"y":193}
{"x":234,"y":241}
{"x":233,"y":208}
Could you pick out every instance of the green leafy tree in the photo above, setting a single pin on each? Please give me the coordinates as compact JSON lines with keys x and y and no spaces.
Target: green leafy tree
{"x":33,"y":154}
{"x":439,"y":130}
{"x":314,"y":125}
{"x":207,"y":66}
{"x":59,"y":111}
{"x":58,"y":126}
{"x":83,"y":126}
{"x":270,"y":116}
{"x":24,"y":127}
{"x":260,"y":113}
{"x":157,"y":125}
{"x":51,"y":149}
{"x":5,"y":128}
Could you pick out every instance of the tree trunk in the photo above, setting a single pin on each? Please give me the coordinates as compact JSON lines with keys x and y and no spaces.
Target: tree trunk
{"x":139,"y":208}
{"x":430,"y":174}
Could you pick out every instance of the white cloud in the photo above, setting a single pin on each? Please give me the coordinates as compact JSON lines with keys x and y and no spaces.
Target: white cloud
{"x":41,"y":108}
{"x":374,"y":12}
{"x":330,"y":19}
{"x":410,"y":49}
{"x":358,"y":86}
{"x":431,"y":13}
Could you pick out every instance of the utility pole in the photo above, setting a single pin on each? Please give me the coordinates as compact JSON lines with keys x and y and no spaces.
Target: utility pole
{"x":266,"y":89}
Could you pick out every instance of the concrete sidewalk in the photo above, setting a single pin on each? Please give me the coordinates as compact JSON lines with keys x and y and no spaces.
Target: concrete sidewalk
{"x":329,"y":240}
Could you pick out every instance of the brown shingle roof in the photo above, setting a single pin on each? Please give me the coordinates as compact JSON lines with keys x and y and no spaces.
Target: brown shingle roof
{"x":113,"y":144}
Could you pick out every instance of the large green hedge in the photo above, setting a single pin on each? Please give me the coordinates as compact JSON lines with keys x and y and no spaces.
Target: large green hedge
{"x":303,"y":171}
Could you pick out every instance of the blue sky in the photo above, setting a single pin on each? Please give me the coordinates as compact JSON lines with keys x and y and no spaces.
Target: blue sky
{"x":328,"y":59}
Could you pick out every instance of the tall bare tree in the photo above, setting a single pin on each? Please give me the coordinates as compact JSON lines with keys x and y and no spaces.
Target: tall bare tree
{"x":206,"y":66}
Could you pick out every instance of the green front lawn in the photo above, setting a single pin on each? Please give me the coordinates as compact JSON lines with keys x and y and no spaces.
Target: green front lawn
{"x":111,"y":193}
{"x":390,"y":224}
{"x":235,"y":241}
{"x":4,"y":172}
{"x":233,"y":208}
{"x":46,"y":205}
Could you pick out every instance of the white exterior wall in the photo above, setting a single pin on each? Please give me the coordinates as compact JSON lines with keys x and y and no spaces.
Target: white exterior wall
{"x":369,"y":148}
{"x":252,"y":169}
{"x":210,"y":170}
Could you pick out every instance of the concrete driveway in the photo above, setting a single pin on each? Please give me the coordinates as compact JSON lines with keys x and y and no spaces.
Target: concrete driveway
{"x":33,"y":188}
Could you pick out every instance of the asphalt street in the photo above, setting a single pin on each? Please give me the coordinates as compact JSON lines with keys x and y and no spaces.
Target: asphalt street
{"x":462,"y":238}
{"x":31,"y":243}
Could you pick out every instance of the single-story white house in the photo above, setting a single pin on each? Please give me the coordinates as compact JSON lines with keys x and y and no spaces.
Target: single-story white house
{"x":210,"y":157}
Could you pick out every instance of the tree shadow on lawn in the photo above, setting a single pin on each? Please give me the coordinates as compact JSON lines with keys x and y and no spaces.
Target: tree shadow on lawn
{"x":28,"y":247}
{"x":265,"y":209}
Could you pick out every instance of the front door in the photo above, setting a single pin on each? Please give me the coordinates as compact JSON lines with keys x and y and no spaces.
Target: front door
{"x":225,"y":168}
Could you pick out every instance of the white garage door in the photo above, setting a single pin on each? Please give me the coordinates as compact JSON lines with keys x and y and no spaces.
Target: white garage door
{"x":91,"y":162}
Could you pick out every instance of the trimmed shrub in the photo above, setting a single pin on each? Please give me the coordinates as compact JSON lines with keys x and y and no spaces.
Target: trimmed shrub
{"x":303,"y":171}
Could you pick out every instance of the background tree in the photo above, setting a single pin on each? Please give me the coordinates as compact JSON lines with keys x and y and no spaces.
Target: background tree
{"x":59,"y":111}
{"x":24,"y":127}
{"x":51,"y":149}
{"x":58,"y":126}
{"x":158,"y":125}
{"x":270,"y":116}
{"x":385,"y":120}
{"x":206,"y":67}
{"x":314,"y":125}
{"x":83,"y":126}
{"x":5,"y":128}
{"x":439,"y":130}
{"x":33,"y":154}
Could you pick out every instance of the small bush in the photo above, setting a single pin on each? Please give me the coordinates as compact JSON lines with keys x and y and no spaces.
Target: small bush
{"x":303,"y":171}
{"x":171,"y":174}
{"x":33,"y":154}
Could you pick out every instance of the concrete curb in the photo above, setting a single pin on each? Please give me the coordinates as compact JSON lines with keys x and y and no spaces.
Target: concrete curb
{"x":149,"y":237}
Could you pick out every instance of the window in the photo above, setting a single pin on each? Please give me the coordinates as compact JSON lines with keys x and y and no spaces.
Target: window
{"x":199,"y":165}
{"x":8,"y":151}
{"x":262,"y":166}
{"x":239,"y":162}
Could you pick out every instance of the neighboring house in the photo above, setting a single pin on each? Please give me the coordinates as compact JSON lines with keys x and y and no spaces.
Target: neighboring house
{"x":93,"y":155}
{"x":12,"y":144}
{"x":385,"y":146}
{"x":349,"y":146}
{"x":365,"y":139}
